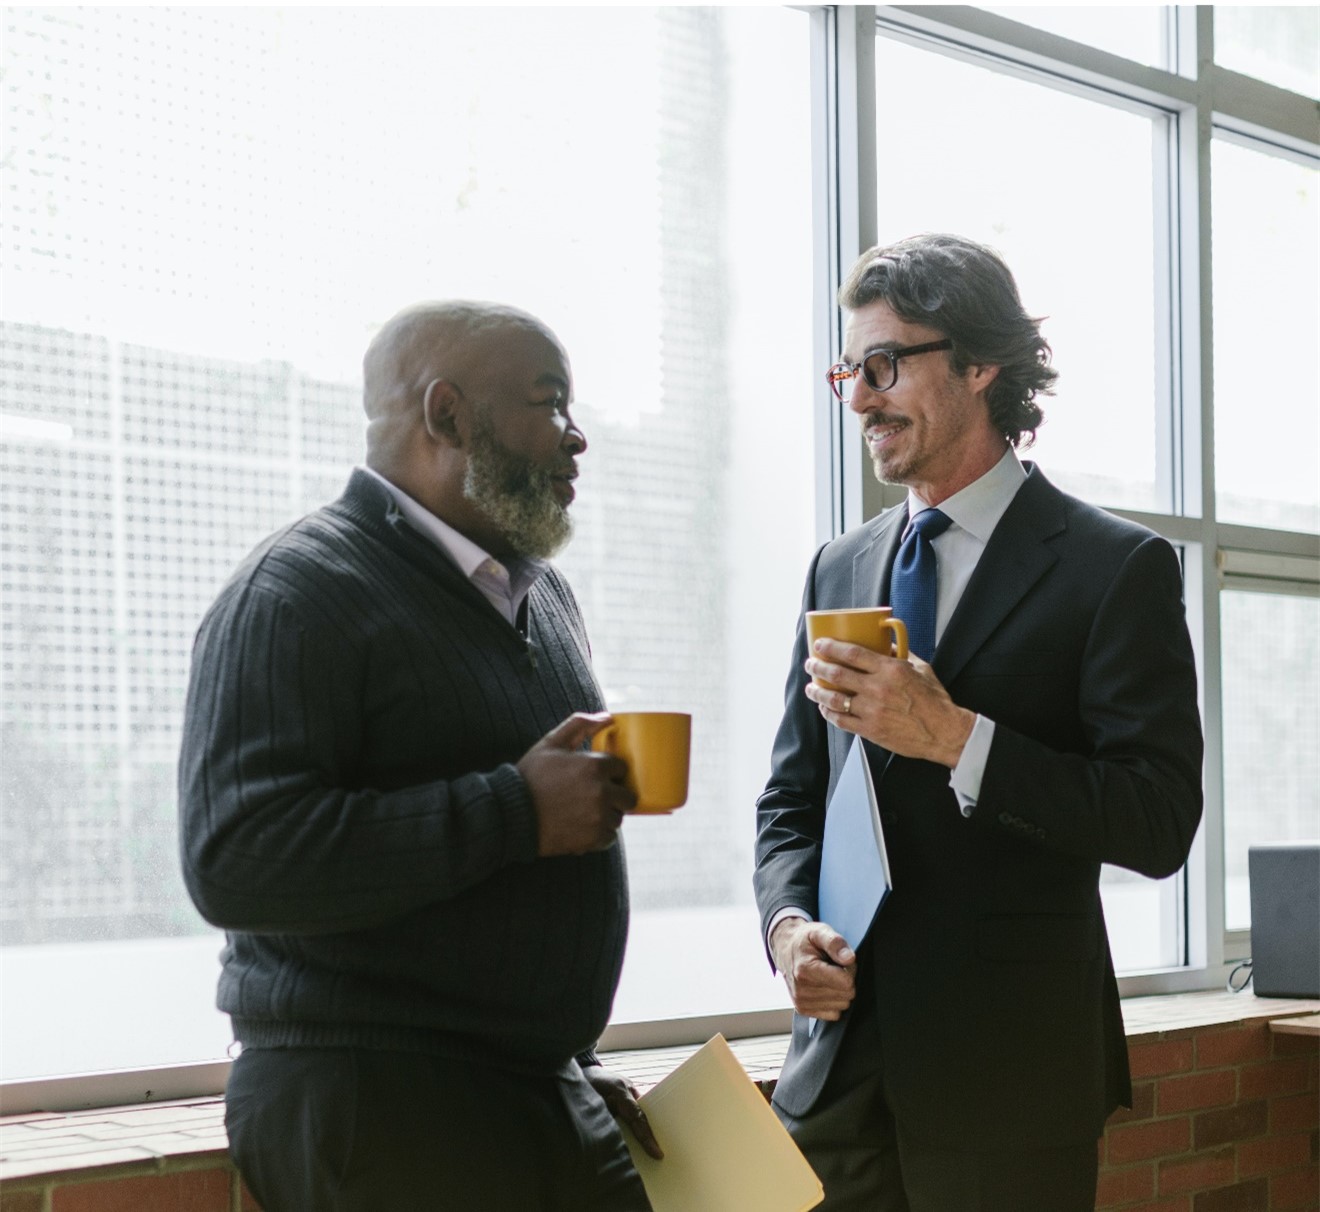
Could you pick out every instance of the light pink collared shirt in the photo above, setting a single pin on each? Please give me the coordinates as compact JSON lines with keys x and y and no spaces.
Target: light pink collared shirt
{"x":504,"y":585}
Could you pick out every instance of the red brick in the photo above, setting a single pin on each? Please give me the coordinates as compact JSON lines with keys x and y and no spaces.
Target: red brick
{"x":1294,"y":1112}
{"x":1119,"y":1187}
{"x":30,"y":1200}
{"x":1217,"y":1088}
{"x":1158,"y":1059}
{"x":1296,"y":1045}
{"x":1290,"y":1076}
{"x":1197,"y":1172}
{"x":193,"y":1191}
{"x":1274,"y":1154}
{"x":1233,"y":1046}
{"x":1296,"y":1192}
{"x":1158,"y":1138}
{"x":1241,"y":1122}
{"x":1241,"y":1197}
{"x":1143,"y":1105}
{"x":1183,"y":1203}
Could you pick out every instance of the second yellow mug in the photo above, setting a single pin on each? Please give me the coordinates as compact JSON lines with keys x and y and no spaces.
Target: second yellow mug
{"x":656,"y":746}
{"x":872,"y":627}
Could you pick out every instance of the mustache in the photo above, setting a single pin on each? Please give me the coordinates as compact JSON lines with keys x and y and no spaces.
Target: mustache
{"x":541,"y":478}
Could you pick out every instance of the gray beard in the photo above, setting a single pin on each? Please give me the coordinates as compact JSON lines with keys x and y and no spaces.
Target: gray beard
{"x":517,"y":499}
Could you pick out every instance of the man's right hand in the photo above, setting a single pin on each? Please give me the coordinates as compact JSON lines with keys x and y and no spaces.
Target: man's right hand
{"x":579,"y":796}
{"x":819,"y":967}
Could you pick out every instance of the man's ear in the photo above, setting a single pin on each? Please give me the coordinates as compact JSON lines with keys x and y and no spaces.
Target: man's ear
{"x":444,"y":410}
{"x":981,"y":375}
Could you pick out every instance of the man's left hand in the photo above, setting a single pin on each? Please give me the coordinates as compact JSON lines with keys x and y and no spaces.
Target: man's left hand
{"x":620,"y":1097}
{"x":899,"y":705}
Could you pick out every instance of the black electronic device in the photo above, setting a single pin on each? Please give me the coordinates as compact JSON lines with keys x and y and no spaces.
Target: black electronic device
{"x":1285,"y":919}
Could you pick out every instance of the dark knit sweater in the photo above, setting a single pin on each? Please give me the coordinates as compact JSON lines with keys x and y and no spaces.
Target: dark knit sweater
{"x":351,"y":815}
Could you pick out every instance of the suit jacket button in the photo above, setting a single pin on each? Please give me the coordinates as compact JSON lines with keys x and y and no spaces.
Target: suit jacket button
{"x":1005,"y":819}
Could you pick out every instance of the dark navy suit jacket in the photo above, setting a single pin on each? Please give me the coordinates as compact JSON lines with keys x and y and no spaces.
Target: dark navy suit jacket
{"x":993,"y":984}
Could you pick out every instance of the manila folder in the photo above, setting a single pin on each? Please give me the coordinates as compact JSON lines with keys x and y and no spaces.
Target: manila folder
{"x":725,"y":1150}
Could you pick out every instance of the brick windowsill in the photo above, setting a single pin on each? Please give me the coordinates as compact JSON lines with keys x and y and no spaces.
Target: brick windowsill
{"x":183,"y":1140}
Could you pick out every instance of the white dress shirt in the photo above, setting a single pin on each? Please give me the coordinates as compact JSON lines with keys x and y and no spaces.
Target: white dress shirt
{"x":504,"y":585}
{"x":975,"y":512}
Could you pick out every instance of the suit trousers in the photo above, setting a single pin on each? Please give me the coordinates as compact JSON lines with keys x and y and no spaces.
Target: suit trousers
{"x":867,"y":1163}
{"x":355,"y":1130}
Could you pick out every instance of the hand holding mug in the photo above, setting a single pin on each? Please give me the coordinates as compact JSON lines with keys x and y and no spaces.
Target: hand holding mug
{"x":870,"y":627}
{"x":579,"y":796}
{"x":655,"y":747}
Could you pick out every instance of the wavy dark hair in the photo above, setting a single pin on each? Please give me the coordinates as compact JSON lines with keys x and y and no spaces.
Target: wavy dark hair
{"x":964,"y":290}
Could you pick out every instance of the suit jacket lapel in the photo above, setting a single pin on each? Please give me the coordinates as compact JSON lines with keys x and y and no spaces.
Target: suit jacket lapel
{"x":1016,"y":557}
{"x":871,"y":565}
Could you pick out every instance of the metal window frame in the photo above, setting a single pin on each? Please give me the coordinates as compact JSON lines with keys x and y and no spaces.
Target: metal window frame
{"x":1203,"y":101}
{"x":844,"y":216}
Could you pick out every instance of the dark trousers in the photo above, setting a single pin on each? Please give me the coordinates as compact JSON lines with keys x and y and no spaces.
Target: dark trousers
{"x":867,"y":1163}
{"x":351,"y":1130}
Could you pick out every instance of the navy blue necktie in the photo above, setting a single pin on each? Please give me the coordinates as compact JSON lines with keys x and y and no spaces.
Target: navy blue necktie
{"x":912,"y":582}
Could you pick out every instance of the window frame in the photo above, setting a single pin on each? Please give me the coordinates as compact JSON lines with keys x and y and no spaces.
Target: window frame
{"x":1201,"y":100}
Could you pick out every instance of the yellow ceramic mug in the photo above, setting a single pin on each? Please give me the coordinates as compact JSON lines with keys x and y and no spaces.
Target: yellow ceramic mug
{"x":655,"y":745}
{"x":866,"y":626}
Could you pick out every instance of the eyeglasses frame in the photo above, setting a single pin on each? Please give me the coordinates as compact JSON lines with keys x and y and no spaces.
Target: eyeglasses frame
{"x":842,"y":372}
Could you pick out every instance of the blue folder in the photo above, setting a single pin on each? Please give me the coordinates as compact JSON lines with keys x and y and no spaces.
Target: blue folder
{"x":854,"y":865}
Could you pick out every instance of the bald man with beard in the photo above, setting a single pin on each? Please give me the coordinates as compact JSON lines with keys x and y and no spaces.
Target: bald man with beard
{"x":385,"y":802}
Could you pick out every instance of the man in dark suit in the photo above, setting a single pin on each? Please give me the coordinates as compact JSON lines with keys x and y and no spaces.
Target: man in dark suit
{"x":967,"y":1053}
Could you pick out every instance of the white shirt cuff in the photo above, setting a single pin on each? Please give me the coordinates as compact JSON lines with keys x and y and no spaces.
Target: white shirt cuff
{"x":965,"y":778}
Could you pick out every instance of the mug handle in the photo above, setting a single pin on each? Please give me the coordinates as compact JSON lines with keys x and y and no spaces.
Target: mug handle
{"x":605,"y":740}
{"x":899,"y":628}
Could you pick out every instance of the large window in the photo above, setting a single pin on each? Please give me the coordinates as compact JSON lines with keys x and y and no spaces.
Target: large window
{"x":1266,"y":316}
{"x":949,"y":166}
{"x":1271,"y":726}
{"x":207,"y":212}
{"x":1188,"y":395}
{"x":1082,"y":244}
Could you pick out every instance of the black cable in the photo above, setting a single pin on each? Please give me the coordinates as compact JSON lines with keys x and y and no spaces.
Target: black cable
{"x":1246,"y":963}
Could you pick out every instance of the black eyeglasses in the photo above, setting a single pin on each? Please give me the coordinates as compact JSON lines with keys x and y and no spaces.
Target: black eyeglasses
{"x":879,"y":369}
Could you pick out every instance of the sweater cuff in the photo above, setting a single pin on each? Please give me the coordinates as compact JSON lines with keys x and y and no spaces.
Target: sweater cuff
{"x":515,"y":801}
